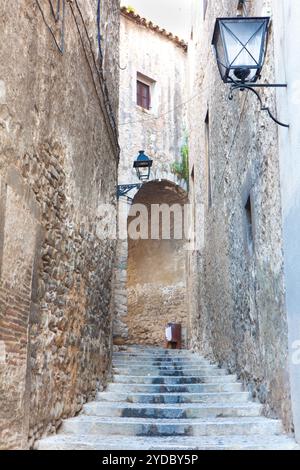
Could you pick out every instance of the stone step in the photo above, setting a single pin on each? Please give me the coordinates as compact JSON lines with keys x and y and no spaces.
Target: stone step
{"x":162,"y":371}
{"x":167,"y":357}
{"x":92,"y":442}
{"x":152,"y":347}
{"x":161,"y":359}
{"x":167,"y":379}
{"x":172,"y":427}
{"x":182,"y":411}
{"x":174,"y":388}
{"x":155,"y":363}
{"x":163,"y":353}
{"x":169,"y":400}
{"x":159,"y":352}
{"x":225,"y":397}
{"x":170,"y":364}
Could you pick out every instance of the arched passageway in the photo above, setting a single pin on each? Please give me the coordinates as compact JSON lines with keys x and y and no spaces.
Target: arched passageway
{"x":156,"y":269}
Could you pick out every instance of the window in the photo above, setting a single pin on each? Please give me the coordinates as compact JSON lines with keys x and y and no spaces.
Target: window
{"x":208,"y":169}
{"x":205,"y":5}
{"x":249,"y":223}
{"x":193,"y":174}
{"x":241,"y":8}
{"x":143,"y":95}
{"x":194,"y":202}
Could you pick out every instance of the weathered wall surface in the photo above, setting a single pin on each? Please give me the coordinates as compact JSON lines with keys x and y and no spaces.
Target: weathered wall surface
{"x":286,"y":17}
{"x":151,"y":306}
{"x":156,"y":279}
{"x":58,"y":164}
{"x":239,"y":303}
{"x":159,"y":131}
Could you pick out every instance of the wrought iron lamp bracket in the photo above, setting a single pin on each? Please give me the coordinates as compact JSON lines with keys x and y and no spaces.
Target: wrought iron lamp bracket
{"x":244,"y":86}
{"x":124,"y":189}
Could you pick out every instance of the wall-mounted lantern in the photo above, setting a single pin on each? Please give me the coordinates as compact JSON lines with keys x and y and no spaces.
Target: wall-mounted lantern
{"x":240,"y":47}
{"x":142,"y":165}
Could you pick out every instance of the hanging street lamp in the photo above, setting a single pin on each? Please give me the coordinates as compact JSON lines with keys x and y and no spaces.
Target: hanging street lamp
{"x":240,"y":45}
{"x":142,"y":165}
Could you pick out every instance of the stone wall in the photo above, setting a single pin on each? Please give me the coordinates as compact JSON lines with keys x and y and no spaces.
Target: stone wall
{"x":159,"y":131}
{"x":150,"y":307}
{"x":236,"y":287}
{"x":156,"y":271}
{"x":58,"y":164}
{"x":286,"y":17}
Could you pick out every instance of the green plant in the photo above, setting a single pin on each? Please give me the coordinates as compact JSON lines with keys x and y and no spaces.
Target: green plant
{"x":181,"y":168}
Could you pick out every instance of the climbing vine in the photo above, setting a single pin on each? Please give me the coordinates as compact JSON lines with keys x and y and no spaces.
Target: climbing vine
{"x":181,"y":168}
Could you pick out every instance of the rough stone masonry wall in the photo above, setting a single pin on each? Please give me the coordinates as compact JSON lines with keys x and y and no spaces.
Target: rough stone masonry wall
{"x":151,"y":305}
{"x":237,"y":297}
{"x":159,"y":131}
{"x":58,"y":164}
{"x":156,"y":283}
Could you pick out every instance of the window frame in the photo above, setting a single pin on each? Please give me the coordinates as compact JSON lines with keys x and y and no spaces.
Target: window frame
{"x":249,"y":223}
{"x":208,"y":160}
{"x":205,"y":7}
{"x":142,"y":100}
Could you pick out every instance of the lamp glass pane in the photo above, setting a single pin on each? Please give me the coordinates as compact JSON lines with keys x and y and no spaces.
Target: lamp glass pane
{"x":221,"y":56}
{"x":143,"y":173}
{"x":245,"y":33}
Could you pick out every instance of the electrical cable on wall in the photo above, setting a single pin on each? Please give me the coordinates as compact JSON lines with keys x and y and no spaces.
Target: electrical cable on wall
{"x":57,"y":14}
{"x":99,"y":32}
{"x":60,"y":46}
{"x":99,"y":72}
{"x":57,"y":17}
{"x":169,"y":111}
{"x":102,"y":83}
{"x":155,"y":118}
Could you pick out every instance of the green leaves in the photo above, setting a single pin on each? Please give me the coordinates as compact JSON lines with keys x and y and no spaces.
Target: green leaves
{"x":181,"y":168}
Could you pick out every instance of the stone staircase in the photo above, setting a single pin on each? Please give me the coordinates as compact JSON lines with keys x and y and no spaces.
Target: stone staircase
{"x":169,"y":400}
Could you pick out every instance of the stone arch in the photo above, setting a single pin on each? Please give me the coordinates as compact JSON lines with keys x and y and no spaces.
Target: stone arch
{"x":154,"y":285}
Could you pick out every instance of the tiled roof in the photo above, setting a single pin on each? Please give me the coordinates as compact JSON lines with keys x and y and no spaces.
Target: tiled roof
{"x":148,"y":24}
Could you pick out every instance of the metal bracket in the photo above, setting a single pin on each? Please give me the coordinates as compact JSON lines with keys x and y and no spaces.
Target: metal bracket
{"x":123,"y":189}
{"x":243,"y":86}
